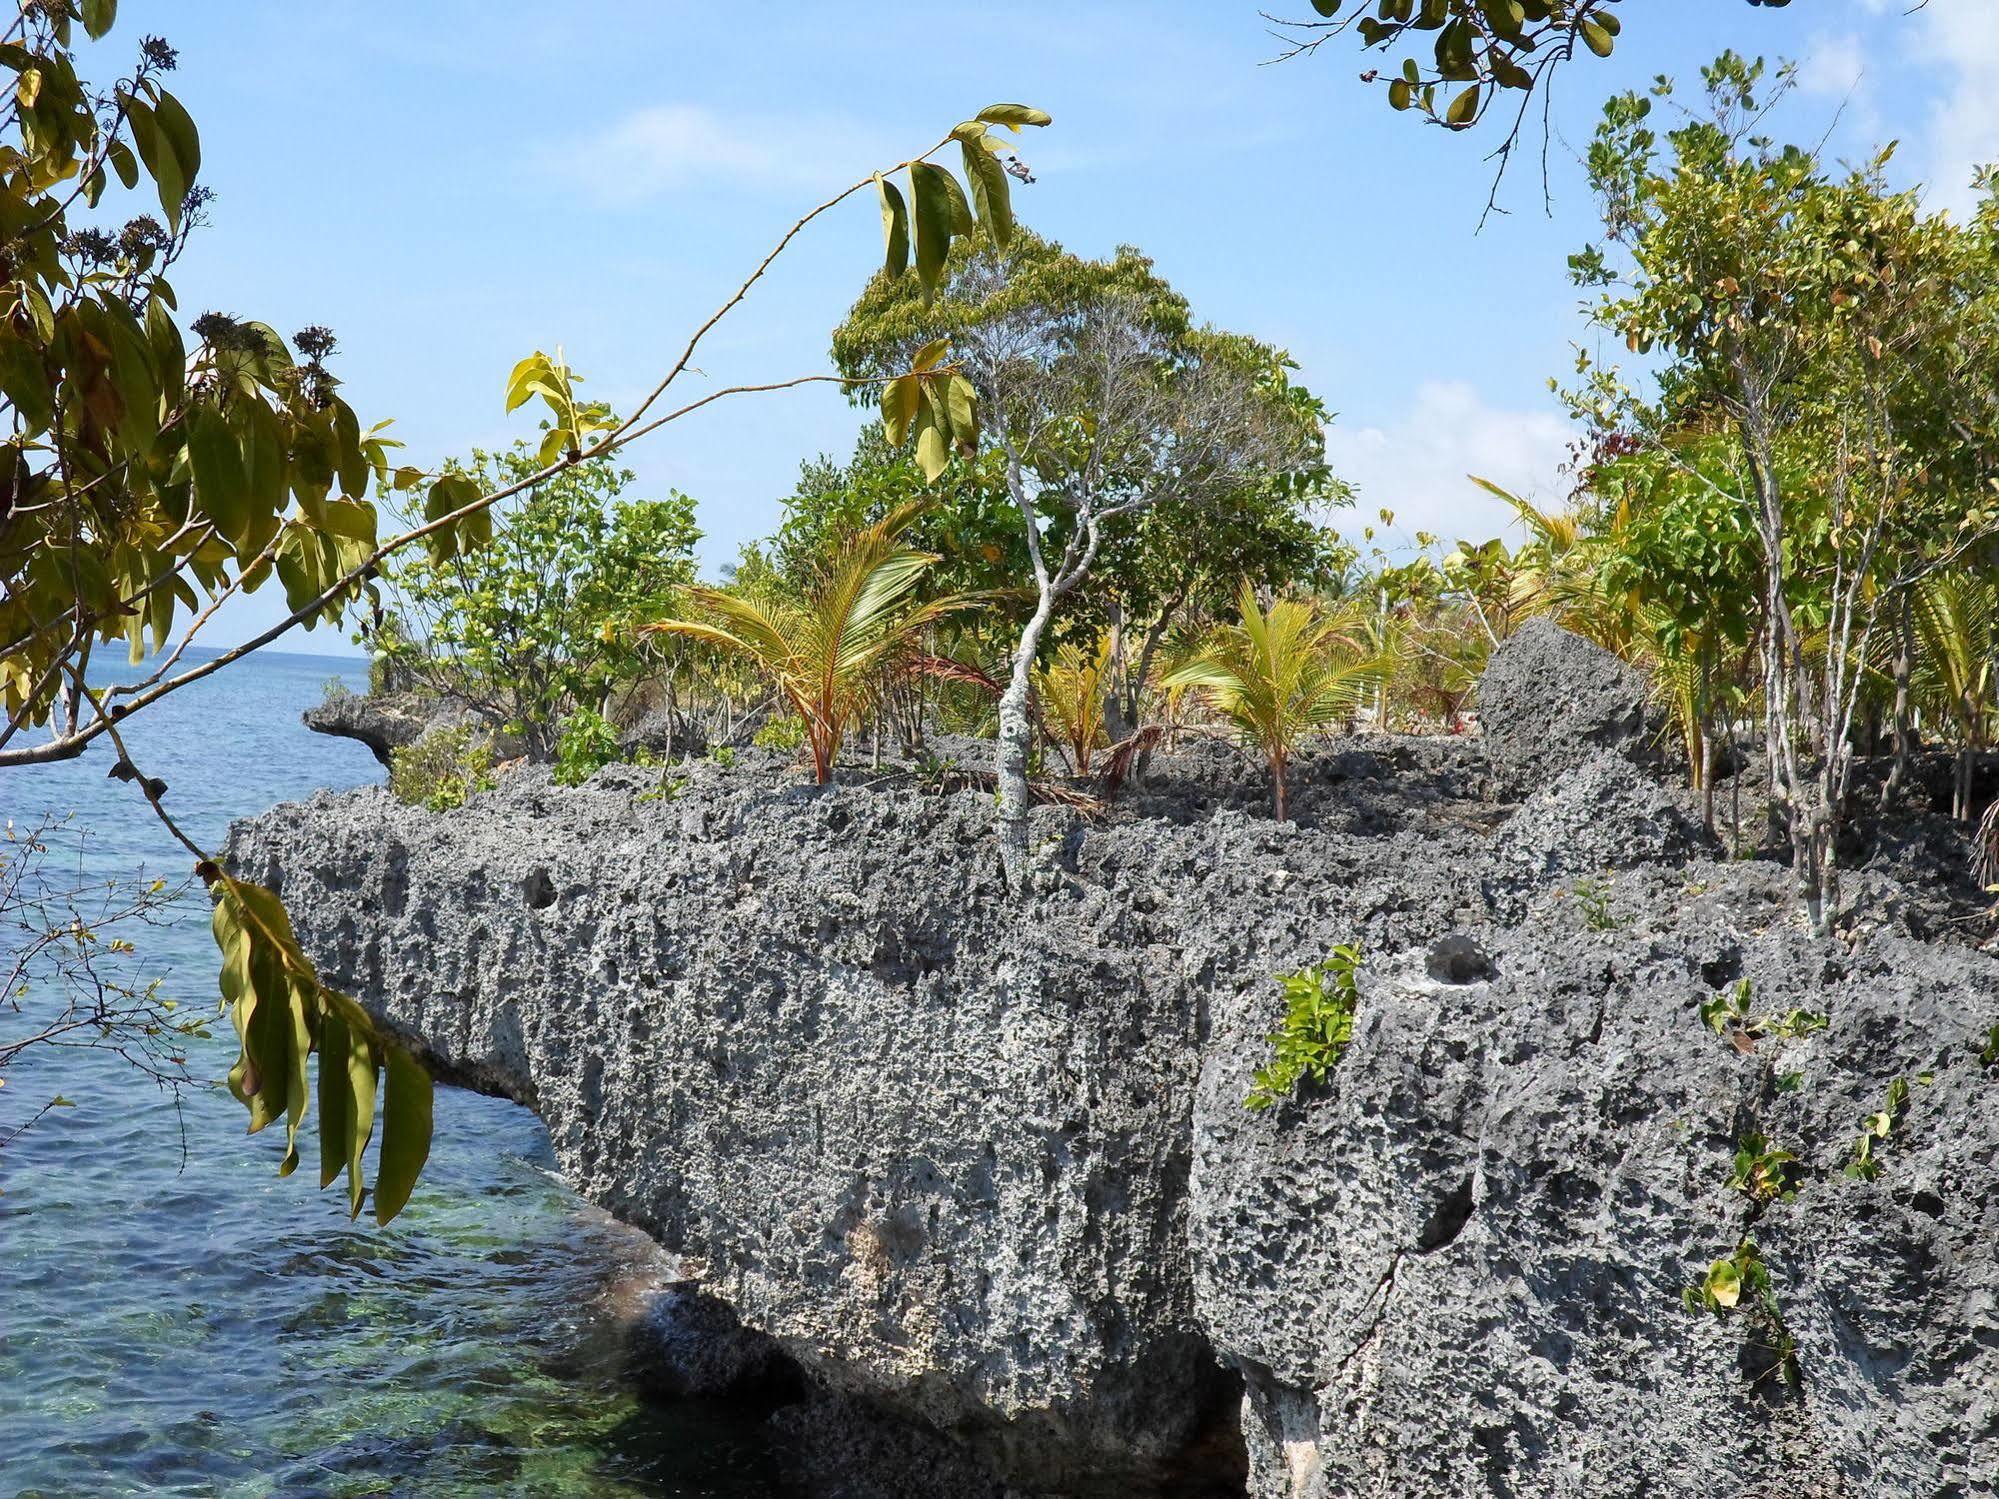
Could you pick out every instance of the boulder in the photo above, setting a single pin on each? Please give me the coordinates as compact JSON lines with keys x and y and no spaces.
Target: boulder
{"x":1550,"y":701}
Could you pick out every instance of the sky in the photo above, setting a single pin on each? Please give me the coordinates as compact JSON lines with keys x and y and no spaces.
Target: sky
{"x":452,"y":184}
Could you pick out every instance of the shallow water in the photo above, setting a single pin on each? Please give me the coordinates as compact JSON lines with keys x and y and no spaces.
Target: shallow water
{"x":191,"y":1324}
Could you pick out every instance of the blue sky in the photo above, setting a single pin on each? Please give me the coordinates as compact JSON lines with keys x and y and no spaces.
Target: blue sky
{"x":451,"y":184}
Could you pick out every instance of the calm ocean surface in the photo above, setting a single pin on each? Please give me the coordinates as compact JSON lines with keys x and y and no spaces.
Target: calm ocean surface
{"x":193,"y":1325}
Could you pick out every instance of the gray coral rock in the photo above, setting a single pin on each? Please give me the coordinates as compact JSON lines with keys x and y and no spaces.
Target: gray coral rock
{"x":982,"y":1163}
{"x":1549,"y":701}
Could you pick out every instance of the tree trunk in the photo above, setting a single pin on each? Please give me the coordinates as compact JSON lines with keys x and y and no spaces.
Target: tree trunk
{"x":1015,"y":744}
{"x":1905,"y":656}
{"x":1277,"y":786}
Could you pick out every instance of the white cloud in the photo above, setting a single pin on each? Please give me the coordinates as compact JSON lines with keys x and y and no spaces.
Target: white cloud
{"x":1960,"y":40}
{"x":661,"y":147}
{"x":1418,"y":466}
{"x":1836,"y":68}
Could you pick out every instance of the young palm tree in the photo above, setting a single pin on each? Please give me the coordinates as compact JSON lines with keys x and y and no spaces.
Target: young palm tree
{"x":1071,"y":691}
{"x":830,"y":652}
{"x":1279,"y":675}
{"x":1957,"y":632}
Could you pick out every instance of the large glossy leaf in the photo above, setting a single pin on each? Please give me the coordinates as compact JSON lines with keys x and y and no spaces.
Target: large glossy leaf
{"x":221,"y":489}
{"x":992,"y":194}
{"x":895,"y":227}
{"x":932,"y":216}
{"x":406,"y":1125}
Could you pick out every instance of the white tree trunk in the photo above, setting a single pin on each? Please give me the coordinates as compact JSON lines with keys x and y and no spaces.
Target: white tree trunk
{"x":1015,"y":744}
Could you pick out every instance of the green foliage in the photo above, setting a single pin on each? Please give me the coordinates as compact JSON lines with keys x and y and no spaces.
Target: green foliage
{"x":542,"y":621}
{"x":442,"y":770}
{"x":1593,"y":900}
{"x":781,"y":731}
{"x":1070,"y":691}
{"x":1988,"y":1054}
{"x":830,"y":653}
{"x":283,"y":1016}
{"x":1472,"y":56}
{"x":1761,"y":1172}
{"x":1727,"y":1013}
{"x":1318,"y":1025}
{"x":723,"y":756}
{"x":150,"y":467}
{"x":1279,"y":675}
{"x":1878,"y":1126}
{"x":1741,"y":1283}
{"x":587,"y":744}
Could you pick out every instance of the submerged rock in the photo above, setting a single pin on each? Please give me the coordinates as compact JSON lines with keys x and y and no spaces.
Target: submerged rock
{"x":982,"y":1163}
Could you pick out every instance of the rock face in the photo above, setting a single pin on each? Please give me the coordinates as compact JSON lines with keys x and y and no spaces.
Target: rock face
{"x":982,"y":1162}
{"x":1549,"y":701}
{"x":385,"y":722}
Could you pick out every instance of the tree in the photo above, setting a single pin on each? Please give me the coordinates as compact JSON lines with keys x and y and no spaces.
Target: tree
{"x":147,"y":477}
{"x":1481,"y":49}
{"x":1279,"y":675}
{"x":539,"y":621}
{"x":1846,"y":342}
{"x":831,"y":652}
{"x":1105,"y":404}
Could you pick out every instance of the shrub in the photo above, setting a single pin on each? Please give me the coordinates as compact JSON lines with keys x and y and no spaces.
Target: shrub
{"x":781,"y":731}
{"x":441,"y":770}
{"x":585,"y":746}
{"x":335,"y":690}
{"x":1317,"y":1025}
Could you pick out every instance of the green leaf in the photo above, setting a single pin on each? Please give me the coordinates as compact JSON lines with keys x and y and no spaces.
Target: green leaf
{"x":895,"y":228}
{"x":992,"y":195}
{"x":1596,"y":37}
{"x":99,"y":16}
{"x":1015,"y":115}
{"x":179,"y":130}
{"x":899,"y":402}
{"x":933,"y":189}
{"x":933,"y":454}
{"x":336,"y":1098}
{"x":156,"y":150}
{"x":961,"y":403}
{"x":123,"y":163}
{"x":406,"y":1124}
{"x":1463,"y":109}
{"x":221,"y":489}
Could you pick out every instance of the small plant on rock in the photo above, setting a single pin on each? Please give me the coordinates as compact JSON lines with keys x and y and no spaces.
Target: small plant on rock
{"x":442,"y":770}
{"x":1317,"y":1026}
{"x":1727,"y":1013}
{"x":723,"y":755}
{"x":1761,"y":1172}
{"x":939,"y":772}
{"x":1740,"y":1282}
{"x":1877,"y":1126}
{"x":1593,"y":900}
{"x":585,"y":746}
{"x":1988,"y":1055}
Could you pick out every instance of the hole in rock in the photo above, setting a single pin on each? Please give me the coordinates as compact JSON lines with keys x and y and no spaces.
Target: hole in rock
{"x":1457,"y":959}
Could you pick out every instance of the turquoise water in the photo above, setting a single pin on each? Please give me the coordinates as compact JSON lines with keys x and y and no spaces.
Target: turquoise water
{"x":194,"y":1325}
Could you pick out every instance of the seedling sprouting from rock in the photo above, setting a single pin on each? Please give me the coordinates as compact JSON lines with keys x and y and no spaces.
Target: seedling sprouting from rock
{"x":1762,"y":1172}
{"x":1741,"y":1282}
{"x":1727,"y":1014}
{"x":1318,"y":1024}
{"x":1877,"y":1126}
{"x":1593,"y":900}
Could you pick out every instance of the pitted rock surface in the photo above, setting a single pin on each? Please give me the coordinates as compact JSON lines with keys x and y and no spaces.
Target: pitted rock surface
{"x":981,"y":1162}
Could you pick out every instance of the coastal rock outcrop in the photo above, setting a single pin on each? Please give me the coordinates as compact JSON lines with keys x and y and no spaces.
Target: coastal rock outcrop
{"x":386,"y":722}
{"x":981,"y":1161}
